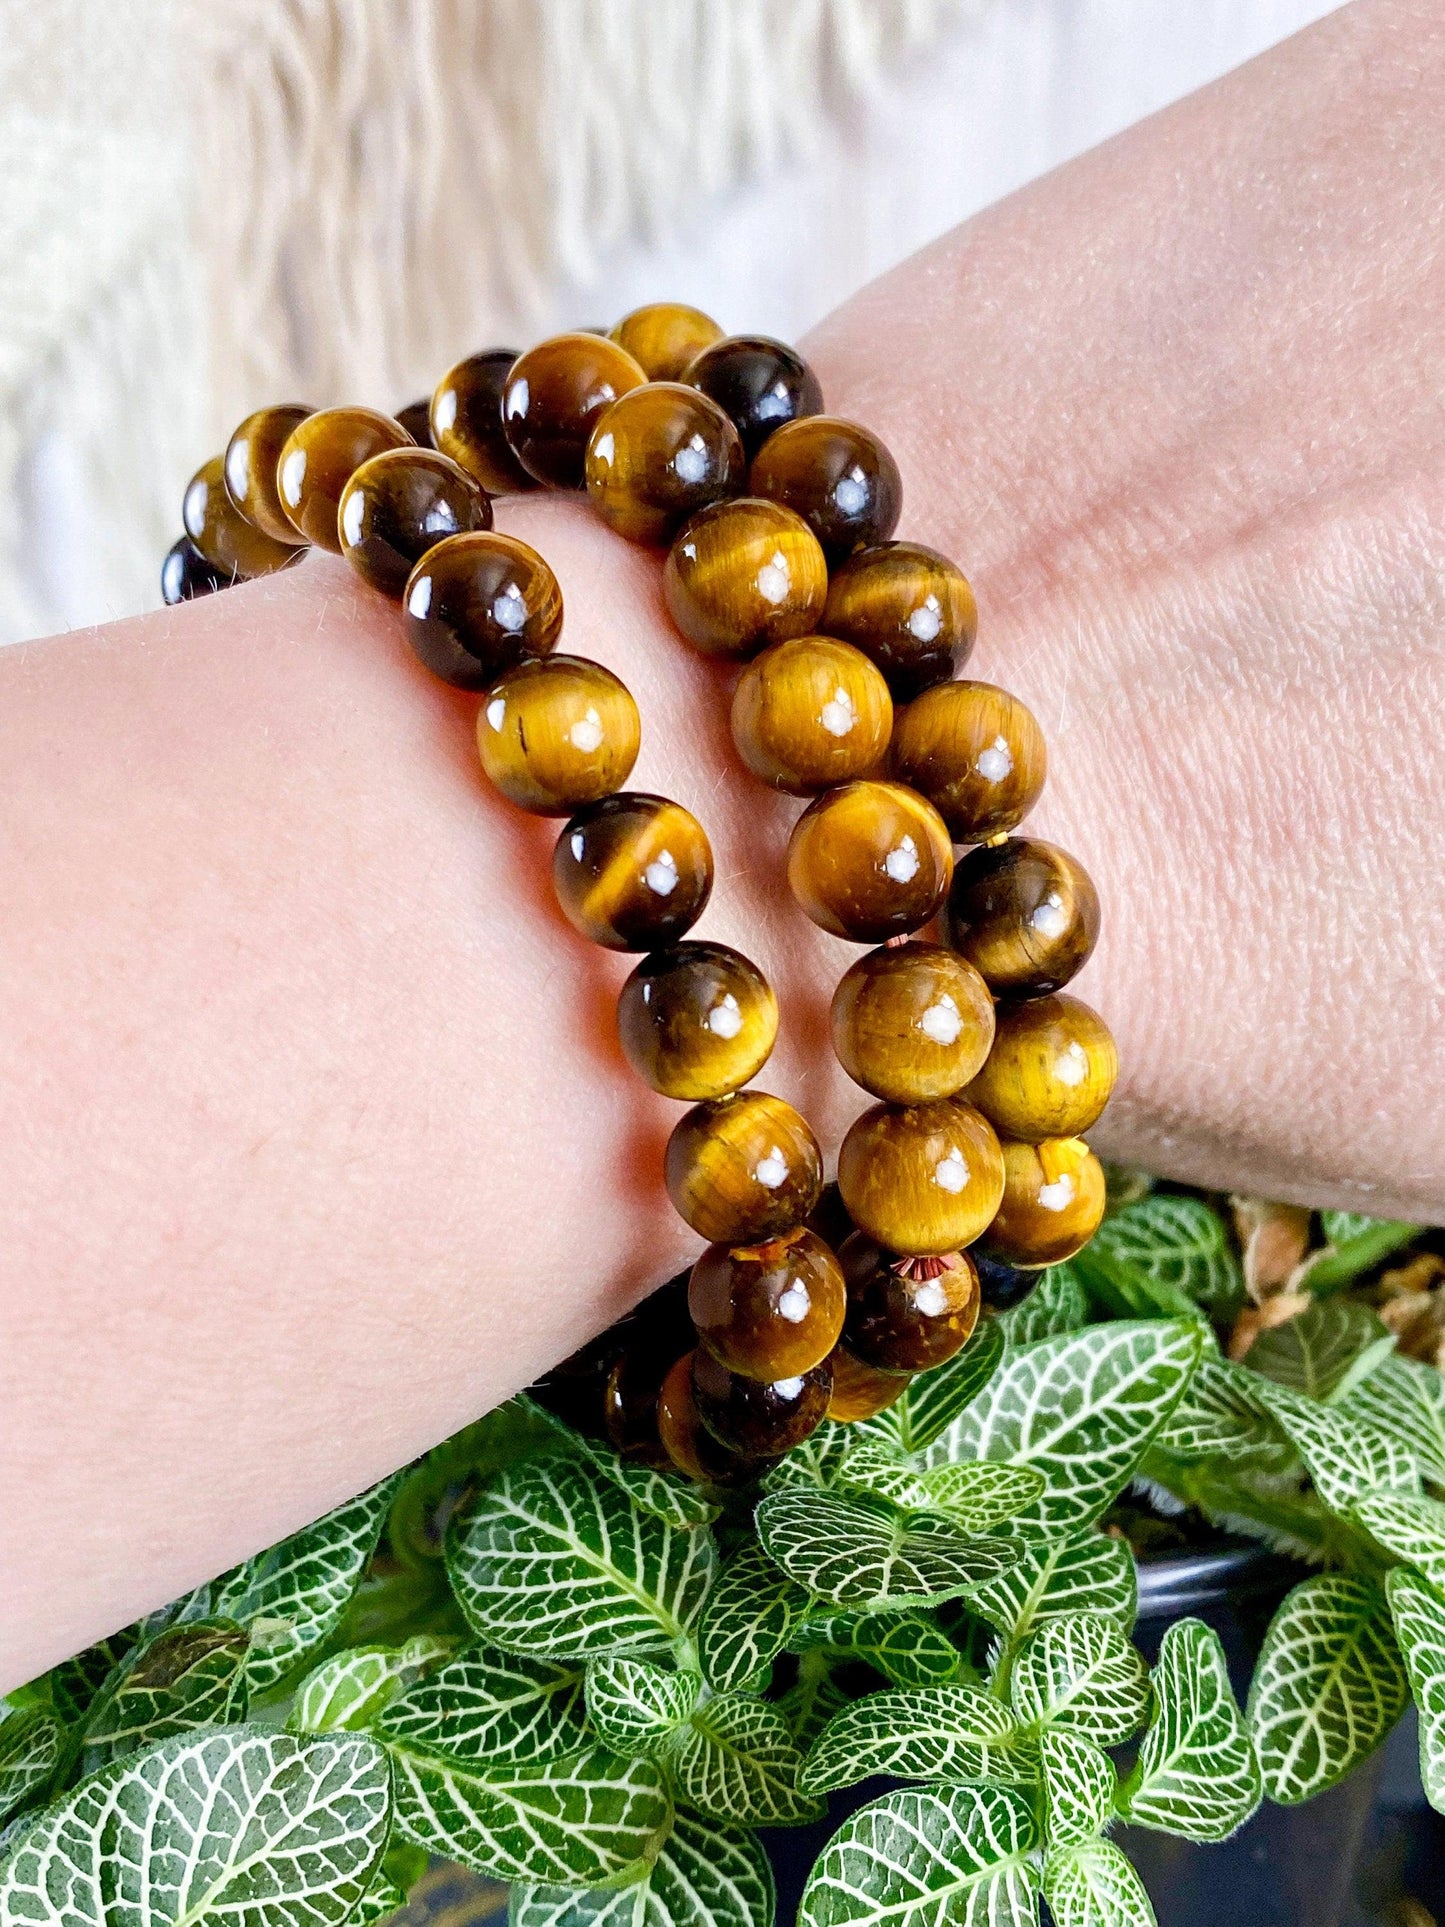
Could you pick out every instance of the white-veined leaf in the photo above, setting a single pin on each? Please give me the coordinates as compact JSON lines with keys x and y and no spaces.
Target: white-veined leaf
{"x":1197,"y":1775}
{"x":1082,"y":1675}
{"x":979,"y":1494}
{"x":706,"y":1876}
{"x":1406,"y":1399}
{"x":1418,"y":1614}
{"x":952,"y":1733}
{"x":1163,"y":1253}
{"x":1332,"y":1346}
{"x":350,"y":1691}
{"x":936,"y":1398}
{"x":749,"y":1615}
{"x":29,"y":1751}
{"x":1079,"y":1787}
{"x":190,"y":1677}
{"x":1413,"y":1529}
{"x":1093,"y":1885}
{"x":737,"y":1761}
{"x":811,"y":1701}
{"x":666,"y":1495}
{"x":908,"y":1648}
{"x":1222,"y":1416}
{"x":636,"y":1706}
{"x":1085,"y":1572}
{"x":488,"y":1706}
{"x":1328,"y":1686}
{"x":381,"y":1900}
{"x":1346,"y":1457}
{"x":816,"y":1461}
{"x":852,"y":1553}
{"x":887,"y":1473}
{"x":1057,"y":1303}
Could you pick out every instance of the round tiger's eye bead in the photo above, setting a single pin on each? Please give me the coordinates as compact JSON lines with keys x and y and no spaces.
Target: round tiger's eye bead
{"x":976,"y":753}
{"x":1025,"y":914}
{"x":1001,"y":1286}
{"x":692,"y":1449}
{"x":659,"y":455}
{"x":859,"y":1391}
{"x":557,"y":733}
{"x":320,"y":456}
{"x":754,"y":1419}
{"x":1053,"y":1203}
{"x":665,"y":338}
{"x":1050,"y":1071}
{"x":575,"y":1390}
{"x":743,"y":574}
{"x":186,"y":574}
{"x":907,"y":1314}
{"x":697,"y":1020}
{"x":909,"y":609}
{"x":763,"y":384}
{"x":922,"y":1179}
{"x":230,"y":543}
{"x":400,"y":504}
{"x":633,"y":871}
{"x":743,"y":1169}
{"x":869,"y":861}
{"x":810,"y":713}
{"x":769,"y":1311}
{"x":629,"y":1412}
{"x":465,"y":413}
{"x":250,"y":467}
{"x":479,"y":604}
{"x":912,"y":1021}
{"x":838,"y":476}
{"x":553,"y":397}
{"x":415,"y":418}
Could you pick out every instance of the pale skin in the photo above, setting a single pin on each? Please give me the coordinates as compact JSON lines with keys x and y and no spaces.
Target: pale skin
{"x":315,"y":1134}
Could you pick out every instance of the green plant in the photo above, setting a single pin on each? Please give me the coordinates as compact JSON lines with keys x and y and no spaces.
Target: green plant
{"x":595,"y":1681}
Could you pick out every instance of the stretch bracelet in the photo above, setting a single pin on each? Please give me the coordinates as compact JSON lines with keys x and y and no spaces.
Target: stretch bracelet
{"x":777,"y":521}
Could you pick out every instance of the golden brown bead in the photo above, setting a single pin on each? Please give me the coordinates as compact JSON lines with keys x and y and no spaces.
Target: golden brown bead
{"x":320,"y":456}
{"x":976,"y":753}
{"x":1025,"y":914}
{"x":837,"y":475}
{"x":810,"y":713}
{"x":697,"y":1020}
{"x":921,"y":1179}
{"x":1053,"y":1203}
{"x":557,"y":733}
{"x":466,"y":422}
{"x":743,"y":1169}
{"x":665,"y":338}
{"x":479,"y":604}
{"x":869,"y":861}
{"x":399,"y":505}
{"x":754,"y":1419}
{"x":692,"y":1449}
{"x":659,"y":455}
{"x":912,"y":1021}
{"x":633,"y":871}
{"x":909,"y":609}
{"x":859,"y":1391}
{"x":1050,"y":1071}
{"x":762,"y":383}
{"x":743,"y":574}
{"x":553,"y":397}
{"x":907,"y":1314}
{"x":250,"y":468}
{"x":769,"y":1311}
{"x":232,"y":546}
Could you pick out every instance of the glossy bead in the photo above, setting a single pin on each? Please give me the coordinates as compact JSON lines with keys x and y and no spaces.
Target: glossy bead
{"x":754,"y":1419}
{"x":575,"y":1390}
{"x":320,"y":456}
{"x":810,"y":713}
{"x":665,"y":338}
{"x":869,"y":861}
{"x":415,"y":418}
{"x":633,"y":871}
{"x":659,"y":455}
{"x":1050,"y":1071}
{"x":399,"y":505}
{"x":907,"y":1314}
{"x":976,"y":753}
{"x":769,"y":1311}
{"x":837,"y":475}
{"x":743,"y":574}
{"x":909,"y":609}
{"x":1053,"y":1203}
{"x":477,"y":605}
{"x":912,"y":1021}
{"x":186,"y":574}
{"x":1001,"y":1286}
{"x":466,"y":422}
{"x":859,"y":1391}
{"x":762,"y":384}
{"x":743,"y":1169}
{"x":1025,"y":914}
{"x":697,"y":1020}
{"x":553,"y":396}
{"x":692,"y":1449}
{"x":250,"y":468}
{"x":922,"y":1179}
{"x":653,"y":1339}
{"x":230,"y":543}
{"x":558,"y":732}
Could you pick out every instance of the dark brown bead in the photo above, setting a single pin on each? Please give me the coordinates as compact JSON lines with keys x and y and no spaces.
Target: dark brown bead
{"x":557,"y":732}
{"x":553,"y":397}
{"x":762,"y":384}
{"x":757,"y":1420}
{"x":909,"y":609}
{"x":466,"y":422}
{"x":250,"y":467}
{"x":399,"y":505}
{"x":575,"y":1390}
{"x":691,"y":1448}
{"x":665,"y":338}
{"x":415,"y":418}
{"x":654,"y":1337}
{"x":744,"y":574}
{"x":1049,"y":1072}
{"x":186,"y":574}
{"x":320,"y":456}
{"x":912,"y":1021}
{"x":838,"y":476}
{"x":829,"y":1217}
{"x":810,"y":713}
{"x":743,"y":1169}
{"x":976,"y":753}
{"x":860,"y":1392}
{"x":697,"y":1020}
{"x":921,"y":1179}
{"x":232,"y":545}
{"x":477,"y":605}
{"x":1025,"y":914}
{"x":869,"y":861}
{"x":768,"y":1311}
{"x":1053,"y":1203}
{"x":907,"y":1314}
{"x":658,"y":455}
{"x":633,"y":872}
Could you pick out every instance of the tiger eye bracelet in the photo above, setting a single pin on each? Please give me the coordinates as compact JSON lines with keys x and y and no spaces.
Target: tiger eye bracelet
{"x":777,"y":521}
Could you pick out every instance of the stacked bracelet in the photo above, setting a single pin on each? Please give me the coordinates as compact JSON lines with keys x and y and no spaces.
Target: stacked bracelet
{"x":778,"y":522}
